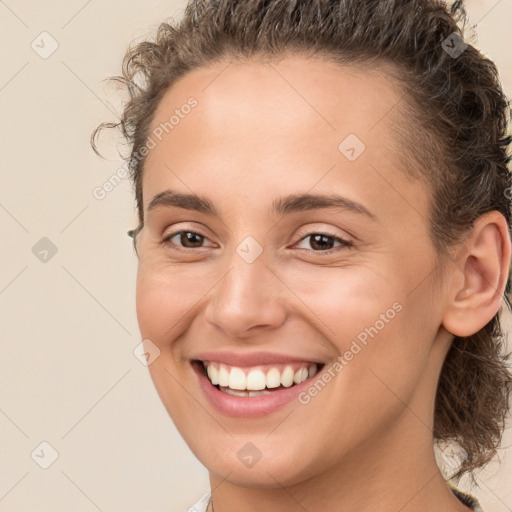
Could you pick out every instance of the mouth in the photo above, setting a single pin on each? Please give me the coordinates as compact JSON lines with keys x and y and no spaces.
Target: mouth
{"x":254,"y":391}
{"x":257,"y":380}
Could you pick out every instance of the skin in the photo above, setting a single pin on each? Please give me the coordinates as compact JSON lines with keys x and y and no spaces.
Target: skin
{"x":261,"y":131}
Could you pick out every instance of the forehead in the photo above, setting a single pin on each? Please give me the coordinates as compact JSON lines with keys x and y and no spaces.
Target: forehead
{"x":261,"y":93}
{"x":262,"y":123}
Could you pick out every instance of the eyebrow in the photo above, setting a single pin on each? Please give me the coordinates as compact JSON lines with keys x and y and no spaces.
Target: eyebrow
{"x":281,"y":206}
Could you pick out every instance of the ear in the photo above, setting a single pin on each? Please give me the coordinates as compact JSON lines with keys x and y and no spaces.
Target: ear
{"x":480,"y":276}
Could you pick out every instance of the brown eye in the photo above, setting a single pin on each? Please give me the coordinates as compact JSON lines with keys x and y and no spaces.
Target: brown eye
{"x":324,"y":242}
{"x":187,"y":239}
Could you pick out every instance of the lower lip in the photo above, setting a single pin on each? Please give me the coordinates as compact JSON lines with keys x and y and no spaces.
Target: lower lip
{"x":249,"y":406}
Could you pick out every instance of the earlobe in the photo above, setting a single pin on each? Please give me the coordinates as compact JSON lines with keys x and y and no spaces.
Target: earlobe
{"x":479,"y":277}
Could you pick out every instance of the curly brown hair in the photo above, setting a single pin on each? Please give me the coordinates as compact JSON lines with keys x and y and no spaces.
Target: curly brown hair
{"x":454,"y":135}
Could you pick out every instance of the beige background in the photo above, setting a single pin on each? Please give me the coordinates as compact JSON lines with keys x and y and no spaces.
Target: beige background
{"x":68,"y":373}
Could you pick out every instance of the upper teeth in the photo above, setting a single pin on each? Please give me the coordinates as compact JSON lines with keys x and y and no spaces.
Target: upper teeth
{"x":256,"y":378}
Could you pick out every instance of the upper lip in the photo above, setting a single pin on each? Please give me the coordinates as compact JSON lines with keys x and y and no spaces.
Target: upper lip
{"x":251,"y":358}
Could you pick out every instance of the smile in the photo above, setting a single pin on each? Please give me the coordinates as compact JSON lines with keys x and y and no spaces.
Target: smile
{"x":238,"y":389}
{"x":257,"y":381}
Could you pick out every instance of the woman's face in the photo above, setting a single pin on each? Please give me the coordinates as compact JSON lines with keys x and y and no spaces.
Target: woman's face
{"x":269,"y":279}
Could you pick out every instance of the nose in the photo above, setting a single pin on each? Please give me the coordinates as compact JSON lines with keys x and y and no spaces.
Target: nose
{"x":248,"y":298}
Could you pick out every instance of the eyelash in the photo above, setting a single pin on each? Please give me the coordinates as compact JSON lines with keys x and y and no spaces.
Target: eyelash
{"x":344,"y":244}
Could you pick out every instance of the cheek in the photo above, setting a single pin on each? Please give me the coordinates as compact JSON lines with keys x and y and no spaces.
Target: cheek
{"x":342,"y":301}
{"x":162,"y":305}
{"x":382,"y":332}
{"x":387,"y":361}
{"x":165,"y":298}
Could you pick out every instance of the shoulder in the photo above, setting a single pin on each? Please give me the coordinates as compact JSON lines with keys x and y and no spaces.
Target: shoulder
{"x":200,"y":506}
{"x":467,"y":499}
